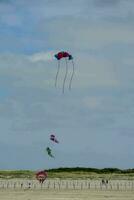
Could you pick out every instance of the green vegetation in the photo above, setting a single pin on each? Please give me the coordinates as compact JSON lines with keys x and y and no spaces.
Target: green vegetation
{"x":73,"y":173}
{"x":16,"y":174}
{"x":83,"y":169}
{"x":91,"y":173}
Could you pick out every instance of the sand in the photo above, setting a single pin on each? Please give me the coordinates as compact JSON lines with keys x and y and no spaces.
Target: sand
{"x":65,"y":195}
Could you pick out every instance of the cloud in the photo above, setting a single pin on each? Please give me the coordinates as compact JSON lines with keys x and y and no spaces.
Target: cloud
{"x":84,"y":35}
{"x":74,"y":26}
{"x":42,"y":56}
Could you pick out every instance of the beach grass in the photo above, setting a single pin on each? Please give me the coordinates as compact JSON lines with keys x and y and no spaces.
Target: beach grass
{"x":72,"y":173}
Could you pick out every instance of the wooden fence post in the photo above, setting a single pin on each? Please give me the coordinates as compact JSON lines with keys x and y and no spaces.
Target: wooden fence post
{"x":118,"y":186}
{"x":8,"y":185}
{"x":54,"y":185}
{"x":73,"y":185}
{"x":67,"y":185}
{"x":14,"y":185}
{"x":21,"y":185}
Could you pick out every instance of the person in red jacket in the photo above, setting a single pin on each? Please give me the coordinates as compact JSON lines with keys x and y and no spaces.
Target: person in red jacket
{"x":41,"y":176}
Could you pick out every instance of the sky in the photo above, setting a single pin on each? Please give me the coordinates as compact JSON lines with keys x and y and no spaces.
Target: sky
{"x":94,"y":121}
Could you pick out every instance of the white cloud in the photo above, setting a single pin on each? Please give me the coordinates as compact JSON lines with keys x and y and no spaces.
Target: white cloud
{"x":83,"y":34}
{"x":93,"y":71}
{"x":42,"y":56}
{"x":35,"y":71}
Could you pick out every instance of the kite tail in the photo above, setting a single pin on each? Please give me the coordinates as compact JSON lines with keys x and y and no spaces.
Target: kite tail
{"x":57,"y":73}
{"x":70,"y":84}
{"x":65,"y":76}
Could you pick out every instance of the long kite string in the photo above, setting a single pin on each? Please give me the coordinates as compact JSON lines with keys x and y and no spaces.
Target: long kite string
{"x":70,"y":84}
{"x":57,"y":73}
{"x":65,"y":75}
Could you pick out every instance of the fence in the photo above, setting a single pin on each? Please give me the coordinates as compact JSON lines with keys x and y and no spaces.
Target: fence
{"x":67,"y":184}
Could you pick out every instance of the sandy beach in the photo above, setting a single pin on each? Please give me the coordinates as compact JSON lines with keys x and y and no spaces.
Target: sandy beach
{"x":65,"y":195}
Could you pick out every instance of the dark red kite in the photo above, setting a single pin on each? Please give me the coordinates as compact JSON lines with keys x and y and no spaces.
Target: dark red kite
{"x":41,"y":176}
{"x":63,"y":54}
{"x":68,"y":57}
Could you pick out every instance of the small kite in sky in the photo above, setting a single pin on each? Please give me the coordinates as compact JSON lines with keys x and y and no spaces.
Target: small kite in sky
{"x":68,"y":57}
{"x":49,"y":152}
{"x":53,"y":138}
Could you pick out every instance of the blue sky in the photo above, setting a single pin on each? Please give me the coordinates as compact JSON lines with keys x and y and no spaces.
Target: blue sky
{"x":93,"y":121}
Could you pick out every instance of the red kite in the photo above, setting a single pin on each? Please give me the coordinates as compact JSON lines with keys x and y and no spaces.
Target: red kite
{"x":67,"y":57}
